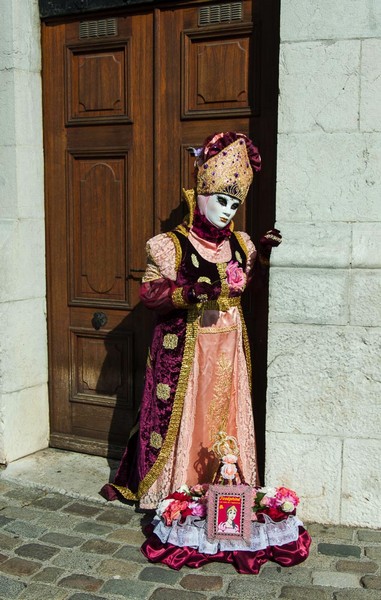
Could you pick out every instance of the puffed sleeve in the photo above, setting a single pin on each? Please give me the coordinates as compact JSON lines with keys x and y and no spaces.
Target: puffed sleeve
{"x":158,"y":283}
{"x":251,"y":255}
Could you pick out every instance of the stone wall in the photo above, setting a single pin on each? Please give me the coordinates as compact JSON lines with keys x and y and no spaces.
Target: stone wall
{"x":23,"y":343}
{"x":324,"y":377}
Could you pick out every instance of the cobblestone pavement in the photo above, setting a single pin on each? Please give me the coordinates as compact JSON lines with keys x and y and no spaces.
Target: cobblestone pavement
{"x":54,"y":547}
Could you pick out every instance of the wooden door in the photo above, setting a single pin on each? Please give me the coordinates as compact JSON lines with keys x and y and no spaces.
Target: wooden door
{"x":121,"y":106}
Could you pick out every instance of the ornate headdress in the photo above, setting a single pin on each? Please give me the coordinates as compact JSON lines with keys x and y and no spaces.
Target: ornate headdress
{"x":226,"y":162}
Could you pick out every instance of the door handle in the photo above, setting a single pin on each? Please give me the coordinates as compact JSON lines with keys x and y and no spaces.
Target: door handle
{"x":99,"y":320}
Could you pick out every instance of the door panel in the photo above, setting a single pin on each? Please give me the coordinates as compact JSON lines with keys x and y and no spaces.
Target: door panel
{"x":207,"y":55}
{"x":120,"y":112}
{"x":88,"y":98}
{"x":99,"y":231}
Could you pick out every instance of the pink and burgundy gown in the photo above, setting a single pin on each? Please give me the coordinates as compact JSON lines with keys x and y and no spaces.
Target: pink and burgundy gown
{"x":197,"y":380}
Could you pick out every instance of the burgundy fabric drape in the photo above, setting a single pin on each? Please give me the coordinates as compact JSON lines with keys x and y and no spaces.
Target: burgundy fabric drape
{"x":247,"y":563}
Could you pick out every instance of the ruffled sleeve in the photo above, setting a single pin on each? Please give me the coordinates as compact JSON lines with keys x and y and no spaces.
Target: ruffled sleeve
{"x":161,"y":258}
{"x":158,"y":283}
{"x":251,"y":254}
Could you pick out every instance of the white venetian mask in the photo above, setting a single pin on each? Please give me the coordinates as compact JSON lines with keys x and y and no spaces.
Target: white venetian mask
{"x":220,"y":209}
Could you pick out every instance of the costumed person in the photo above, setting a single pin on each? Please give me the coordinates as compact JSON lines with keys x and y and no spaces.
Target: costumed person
{"x":198,"y":371}
{"x":196,"y":424}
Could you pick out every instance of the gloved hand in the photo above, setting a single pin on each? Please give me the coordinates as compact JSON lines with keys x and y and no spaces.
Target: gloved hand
{"x":201,"y":291}
{"x":271,"y":239}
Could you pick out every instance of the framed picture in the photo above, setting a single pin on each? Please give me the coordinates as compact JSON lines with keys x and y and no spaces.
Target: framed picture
{"x":229,"y":512}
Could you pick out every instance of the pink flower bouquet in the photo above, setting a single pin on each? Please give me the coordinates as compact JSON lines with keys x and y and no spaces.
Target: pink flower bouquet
{"x":184,"y":502}
{"x":275,"y":502}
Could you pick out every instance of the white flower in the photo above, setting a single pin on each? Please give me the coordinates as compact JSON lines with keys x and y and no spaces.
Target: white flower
{"x":163,"y":505}
{"x":184,"y":489}
{"x":288,"y":506}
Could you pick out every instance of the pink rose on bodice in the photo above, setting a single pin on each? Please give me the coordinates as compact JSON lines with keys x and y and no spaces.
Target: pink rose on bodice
{"x":235,"y":276}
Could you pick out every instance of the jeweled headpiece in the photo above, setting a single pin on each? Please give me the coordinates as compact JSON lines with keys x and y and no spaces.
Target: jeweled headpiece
{"x":225,"y":164}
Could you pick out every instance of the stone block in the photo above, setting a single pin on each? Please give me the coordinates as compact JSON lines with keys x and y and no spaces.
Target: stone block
{"x":77,"y":561}
{"x":356,"y":566}
{"x":25,"y":436}
{"x":219,"y":568}
{"x":371,"y":582}
{"x":131,"y":553}
{"x":361,"y":475}
{"x":365,"y":297}
{"x":314,"y":296}
{"x":339,"y":550}
{"x":19,"y":512}
{"x":53,"y":503}
{"x":20,"y":36}
{"x":62,"y":540}
{"x":37,"y":551}
{"x":321,"y":19}
{"x":298,"y":575}
{"x":131,"y":589}
{"x":30,"y":181}
{"x":24,"y":247}
{"x":202,"y":583}
{"x":313,"y":245}
{"x":7,"y":108}
{"x":89,"y":527}
{"x":338,"y":580}
{"x":356,"y":594}
{"x":330,"y":532}
{"x":115,"y":516}
{"x":132,"y":537}
{"x":164,"y":593}
{"x":329,"y":177}
{"x":112,"y":567}
{"x":39,"y":591}
{"x":56,"y":522}
{"x":4,"y":520}
{"x":319,"y":86}
{"x":49,"y":575}
{"x":99,"y":547}
{"x":20,"y":567}
{"x":325,"y":379}
{"x":6,"y":33}
{"x":11,"y":588}
{"x":84,"y":510}
{"x":86,"y":596}
{"x":28,"y":108}
{"x":24,"y":363}
{"x":248,"y":587}
{"x":369,"y":535}
{"x":81,"y":582}
{"x":160,"y":575}
{"x":311,"y":466}
{"x":370,"y":106}
{"x":25,"y":530}
{"x":21,"y":496}
{"x":8,"y":542}
{"x":8,"y":188}
{"x":373,"y":552}
{"x":294,"y":592}
{"x":366,"y":252}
